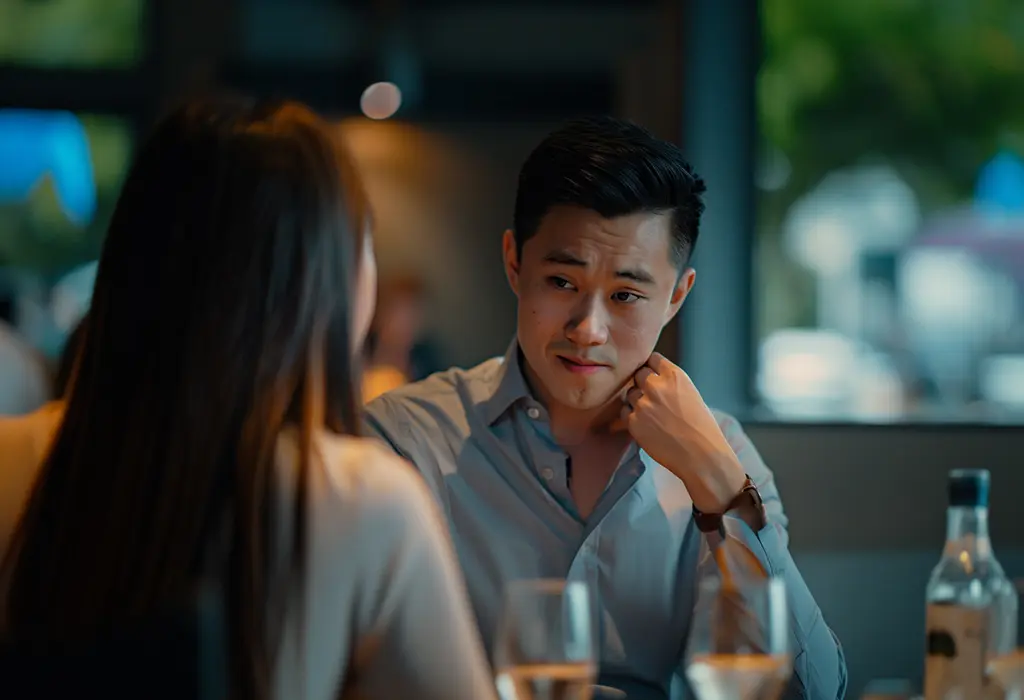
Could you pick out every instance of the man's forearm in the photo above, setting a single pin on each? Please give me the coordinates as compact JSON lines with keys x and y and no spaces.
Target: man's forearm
{"x":819,"y":667}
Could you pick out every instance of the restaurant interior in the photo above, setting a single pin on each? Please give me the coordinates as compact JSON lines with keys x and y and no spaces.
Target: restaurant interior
{"x":860,"y":296}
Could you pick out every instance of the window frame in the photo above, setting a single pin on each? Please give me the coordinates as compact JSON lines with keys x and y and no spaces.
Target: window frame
{"x":721,"y":54}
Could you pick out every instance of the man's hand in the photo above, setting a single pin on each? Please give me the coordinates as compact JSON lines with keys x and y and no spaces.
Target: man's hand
{"x":667,"y":417}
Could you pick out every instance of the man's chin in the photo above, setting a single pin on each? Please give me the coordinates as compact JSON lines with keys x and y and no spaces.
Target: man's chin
{"x":587,"y":398}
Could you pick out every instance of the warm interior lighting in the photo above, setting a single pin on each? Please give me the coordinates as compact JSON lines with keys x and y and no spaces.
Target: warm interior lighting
{"x":381,"y":100}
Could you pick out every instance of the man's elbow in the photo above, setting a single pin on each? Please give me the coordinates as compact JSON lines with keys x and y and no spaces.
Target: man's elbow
{"x":820,"y":673}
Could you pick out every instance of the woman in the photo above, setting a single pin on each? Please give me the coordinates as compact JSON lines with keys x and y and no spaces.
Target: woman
{"x":68,"y":355}
{"x":209,"y":430}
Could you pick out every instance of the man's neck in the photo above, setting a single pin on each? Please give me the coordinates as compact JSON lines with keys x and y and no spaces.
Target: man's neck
{"x":574,"y":426}
{"x":571,"y":426}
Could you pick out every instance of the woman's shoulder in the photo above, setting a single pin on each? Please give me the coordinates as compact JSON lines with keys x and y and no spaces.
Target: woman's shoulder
{"x":368,"y":505}
{"x":24,"y":442}
{"x":364,"y":480}
{"x":43,"y":417}
{"x":29,"y":436}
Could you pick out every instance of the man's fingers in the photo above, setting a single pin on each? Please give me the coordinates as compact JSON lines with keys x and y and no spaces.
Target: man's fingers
{"x":642,"y":375}
{"x":633,"y":395}
{"x":621,"y":423}
{"x":658,"y":363}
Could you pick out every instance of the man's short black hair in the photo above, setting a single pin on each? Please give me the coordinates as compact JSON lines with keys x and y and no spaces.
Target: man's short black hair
{"x":614,"y":168}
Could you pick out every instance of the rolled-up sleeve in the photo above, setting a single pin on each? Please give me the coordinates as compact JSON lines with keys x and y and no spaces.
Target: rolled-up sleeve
{"x":819,"y":667}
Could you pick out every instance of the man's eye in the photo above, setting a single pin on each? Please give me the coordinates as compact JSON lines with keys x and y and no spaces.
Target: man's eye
{"x":560,"y":283}
{"x":626,"y":297}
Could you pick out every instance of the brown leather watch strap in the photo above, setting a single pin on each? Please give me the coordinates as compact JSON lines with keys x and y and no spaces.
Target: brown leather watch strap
{"x":747,"y":505}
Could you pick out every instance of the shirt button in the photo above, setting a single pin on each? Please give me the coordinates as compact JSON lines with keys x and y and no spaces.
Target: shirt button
{"x":533,"y":412}
{"x":548,"y":473}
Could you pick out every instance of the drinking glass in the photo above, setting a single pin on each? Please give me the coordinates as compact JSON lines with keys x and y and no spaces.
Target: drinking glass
{"x":739,"y":641}
{"x":544,"y":648}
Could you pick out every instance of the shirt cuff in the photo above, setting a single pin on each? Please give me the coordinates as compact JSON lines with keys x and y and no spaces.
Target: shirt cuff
{"x":765,"y":546}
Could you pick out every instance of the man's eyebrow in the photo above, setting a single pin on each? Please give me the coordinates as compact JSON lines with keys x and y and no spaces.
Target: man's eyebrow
{"x":638,"y":275}
{"x":564,"y":257}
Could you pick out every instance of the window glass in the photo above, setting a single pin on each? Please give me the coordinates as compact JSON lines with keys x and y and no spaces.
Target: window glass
{"x":890,"y":223}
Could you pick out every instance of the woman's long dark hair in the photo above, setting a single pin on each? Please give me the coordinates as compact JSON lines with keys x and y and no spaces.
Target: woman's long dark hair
{"x":68,"y":359}
{"x":221,"y":316}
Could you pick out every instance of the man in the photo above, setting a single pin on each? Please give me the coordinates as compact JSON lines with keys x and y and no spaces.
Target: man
{"x":581,"y":454}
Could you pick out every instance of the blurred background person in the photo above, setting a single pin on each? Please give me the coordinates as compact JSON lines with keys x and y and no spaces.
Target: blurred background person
{"x":211,"y":431}
{"x":398,"y":347}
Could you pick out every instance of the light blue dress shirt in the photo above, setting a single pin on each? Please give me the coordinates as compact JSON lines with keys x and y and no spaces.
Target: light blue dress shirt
{"x":485,"y":448}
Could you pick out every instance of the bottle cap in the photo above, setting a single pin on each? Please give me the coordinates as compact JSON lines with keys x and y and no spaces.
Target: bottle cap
{"x":968,"y":488}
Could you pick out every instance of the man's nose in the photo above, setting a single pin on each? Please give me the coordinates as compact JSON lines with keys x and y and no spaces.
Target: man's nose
{"x":589,"y":325}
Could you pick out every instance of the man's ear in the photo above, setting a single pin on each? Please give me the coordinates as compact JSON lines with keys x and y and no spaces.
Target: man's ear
{"x":679,"y":294}
{"x":511,"y":258}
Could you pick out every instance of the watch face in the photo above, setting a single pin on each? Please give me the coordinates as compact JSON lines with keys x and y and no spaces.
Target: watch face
{"x":750,"y":507}
{"x":747,"y":505}
{"x":754,"y":494}
{"x":707,"y":522}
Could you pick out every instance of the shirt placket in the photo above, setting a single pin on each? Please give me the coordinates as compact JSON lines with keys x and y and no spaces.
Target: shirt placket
{"x":548,"y":460}
{"x":586,"y":564}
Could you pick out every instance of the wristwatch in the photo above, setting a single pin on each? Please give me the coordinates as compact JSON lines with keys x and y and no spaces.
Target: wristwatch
{"x":747,"y":506}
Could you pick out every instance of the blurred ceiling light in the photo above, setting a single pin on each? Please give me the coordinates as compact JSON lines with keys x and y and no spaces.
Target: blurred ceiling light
{"x":381,"y":100}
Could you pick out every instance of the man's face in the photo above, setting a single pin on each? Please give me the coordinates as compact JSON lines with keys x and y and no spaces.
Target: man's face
{"x":594,"y":295}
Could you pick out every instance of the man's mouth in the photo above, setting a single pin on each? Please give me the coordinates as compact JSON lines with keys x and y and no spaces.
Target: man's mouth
{"x":580,"y":365}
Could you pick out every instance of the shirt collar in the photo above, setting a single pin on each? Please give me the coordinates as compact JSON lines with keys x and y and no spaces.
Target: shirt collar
{"x":511,"y":385}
